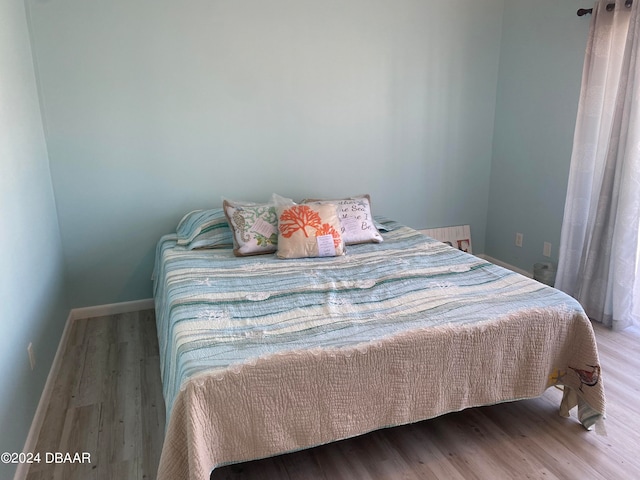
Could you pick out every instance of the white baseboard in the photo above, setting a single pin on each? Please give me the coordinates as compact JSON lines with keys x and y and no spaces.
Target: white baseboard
{"x":112,"y":309}
{"x":45,"y":398}
{"x":505,"y":265}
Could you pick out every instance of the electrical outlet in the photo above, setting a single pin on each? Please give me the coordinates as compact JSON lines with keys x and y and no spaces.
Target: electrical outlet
{"x":546,"y":250}
{"x":32,"y":357}
{"x":519,"y":238}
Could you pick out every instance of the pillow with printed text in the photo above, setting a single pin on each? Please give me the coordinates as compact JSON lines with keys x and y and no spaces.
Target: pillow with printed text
{"x":356,"y":222}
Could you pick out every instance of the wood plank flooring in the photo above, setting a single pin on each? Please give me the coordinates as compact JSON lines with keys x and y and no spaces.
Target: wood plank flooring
{"x":108,"y":402}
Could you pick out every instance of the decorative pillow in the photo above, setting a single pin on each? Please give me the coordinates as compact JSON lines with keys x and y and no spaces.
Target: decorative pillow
{"x":204,"y":229}
{"x":254,"y":226}
{"x":357,"y":224}
{"x":309,"y":231}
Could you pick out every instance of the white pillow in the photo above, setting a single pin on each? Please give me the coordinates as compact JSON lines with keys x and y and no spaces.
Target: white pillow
{"x":357,"y":224}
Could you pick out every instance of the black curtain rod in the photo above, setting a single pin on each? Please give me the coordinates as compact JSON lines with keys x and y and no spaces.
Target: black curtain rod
{"x":610,"y":7}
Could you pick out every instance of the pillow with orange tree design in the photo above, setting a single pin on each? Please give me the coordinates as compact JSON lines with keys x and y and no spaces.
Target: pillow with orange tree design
{"x":309,"y":231}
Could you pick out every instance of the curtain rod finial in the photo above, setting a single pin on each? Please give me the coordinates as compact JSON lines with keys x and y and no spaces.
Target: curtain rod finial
{"x":610,"y":7}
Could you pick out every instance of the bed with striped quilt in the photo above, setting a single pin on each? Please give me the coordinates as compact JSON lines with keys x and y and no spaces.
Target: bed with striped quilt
{"x":261,"y":356}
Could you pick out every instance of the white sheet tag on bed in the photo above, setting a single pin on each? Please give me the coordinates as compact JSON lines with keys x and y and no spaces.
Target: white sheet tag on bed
{"x":263,"y":228}
{"x":326,"y":247}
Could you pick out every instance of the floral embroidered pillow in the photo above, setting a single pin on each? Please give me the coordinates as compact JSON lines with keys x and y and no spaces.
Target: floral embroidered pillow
{"x":254,"y":227}
{"x":356,"y":222}
{"x":309,"y":231}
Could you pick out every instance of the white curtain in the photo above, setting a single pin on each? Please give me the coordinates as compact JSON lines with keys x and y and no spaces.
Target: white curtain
{"x":599,"y":247}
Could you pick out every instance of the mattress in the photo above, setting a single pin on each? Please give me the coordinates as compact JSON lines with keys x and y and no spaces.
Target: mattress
{"x":261,"y":356}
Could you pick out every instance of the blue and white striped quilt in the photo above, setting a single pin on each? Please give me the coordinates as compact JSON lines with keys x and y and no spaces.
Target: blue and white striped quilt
{"x":215,"y":310}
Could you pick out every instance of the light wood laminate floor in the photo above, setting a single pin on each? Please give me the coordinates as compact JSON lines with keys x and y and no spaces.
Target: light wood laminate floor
{"x":107,"y":401}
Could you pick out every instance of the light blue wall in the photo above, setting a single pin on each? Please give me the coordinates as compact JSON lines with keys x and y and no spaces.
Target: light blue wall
{"x":32,"y":297}
{"x":154,"y":108}
{"x":541,"y":60}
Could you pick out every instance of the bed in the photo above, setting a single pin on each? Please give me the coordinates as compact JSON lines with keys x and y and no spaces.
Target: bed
{"x":261,"y":356}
